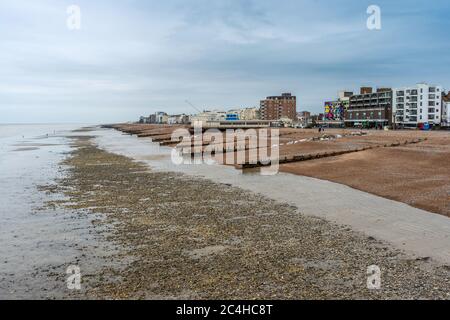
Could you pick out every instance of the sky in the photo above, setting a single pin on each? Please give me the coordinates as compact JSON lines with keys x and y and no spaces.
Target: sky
{"x":132,"y":58}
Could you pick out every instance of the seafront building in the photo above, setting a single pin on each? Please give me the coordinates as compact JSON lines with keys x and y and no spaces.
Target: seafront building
{"x":335,"y":110}
{"x":278,"y":107}
{"x":162,"y":117}
{"x":304,"y":119}
{"x":156,"y":118}
{"x":178,"y":119}
{"x":370,"y":108}
{"x":417,"y":106}
{"x":243,"y":114}
{"x":421,"y":106}
{"x":206,"y":116}
{"x":251,"y":113}
{"x":232,"y":115}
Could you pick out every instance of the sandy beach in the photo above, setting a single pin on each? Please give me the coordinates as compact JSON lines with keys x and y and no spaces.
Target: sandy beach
{"x":179,"y":236}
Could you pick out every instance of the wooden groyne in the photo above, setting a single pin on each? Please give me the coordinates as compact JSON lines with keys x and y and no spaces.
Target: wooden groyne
{"x":162,"y":134}
{"x":319,"y":155}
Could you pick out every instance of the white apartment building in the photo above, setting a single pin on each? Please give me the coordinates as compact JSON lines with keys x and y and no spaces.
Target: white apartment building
{"x":209,"y":116}
{"x":417,"y":105}
{"x":249,"y":114}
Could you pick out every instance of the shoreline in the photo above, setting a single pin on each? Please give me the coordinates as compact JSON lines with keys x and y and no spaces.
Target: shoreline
{"x":193,"y":238}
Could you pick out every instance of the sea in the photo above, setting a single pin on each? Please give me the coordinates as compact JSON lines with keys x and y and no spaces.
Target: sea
{"x":36,"y":245}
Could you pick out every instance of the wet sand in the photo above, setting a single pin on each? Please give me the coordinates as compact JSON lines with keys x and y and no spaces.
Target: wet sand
{"x":38,"y":244}
{"x":185,"y":237}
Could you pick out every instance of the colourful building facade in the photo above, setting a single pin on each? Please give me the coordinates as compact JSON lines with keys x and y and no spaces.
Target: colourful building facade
{"x":334,"y":110}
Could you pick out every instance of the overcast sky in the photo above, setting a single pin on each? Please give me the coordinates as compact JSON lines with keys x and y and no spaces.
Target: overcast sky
{"x":136,"y":57}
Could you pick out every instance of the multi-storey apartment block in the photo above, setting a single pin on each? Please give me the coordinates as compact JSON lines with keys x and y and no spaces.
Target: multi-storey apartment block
{"x":277,"y":107}
{"x":335,"y":110}
{"x":418,"y":105}
{"x":370,"y":109}
{"x":243,"y":114}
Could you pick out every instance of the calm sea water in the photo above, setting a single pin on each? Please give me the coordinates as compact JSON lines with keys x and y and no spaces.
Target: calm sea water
{"x":34,"y":243}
